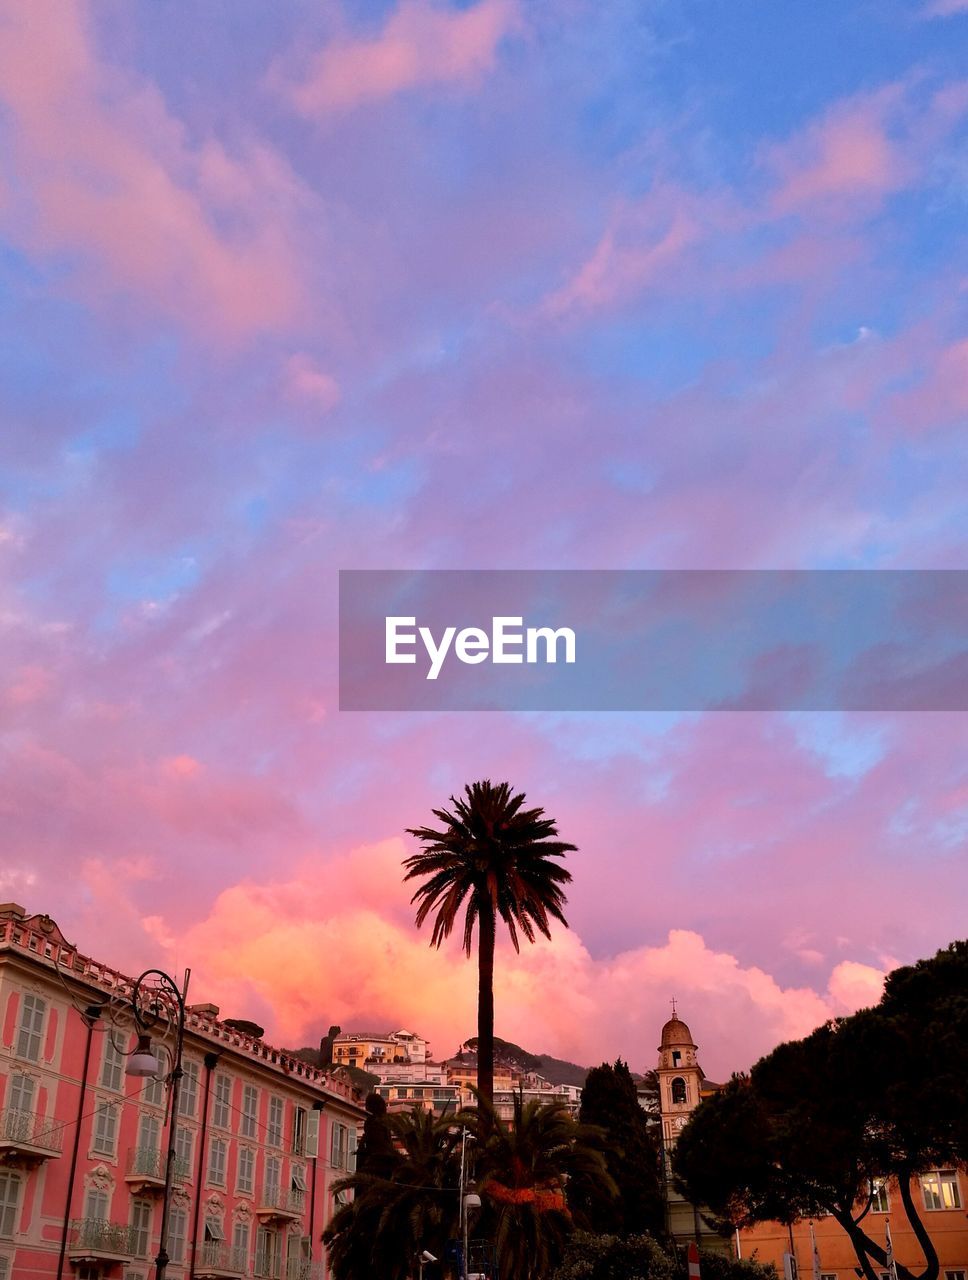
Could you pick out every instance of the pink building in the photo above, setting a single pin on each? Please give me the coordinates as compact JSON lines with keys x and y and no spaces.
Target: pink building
{"x":260,"y":1136}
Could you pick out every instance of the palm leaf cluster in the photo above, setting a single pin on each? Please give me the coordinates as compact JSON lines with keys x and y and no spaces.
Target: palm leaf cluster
{"x":494,"y":854}
{"x":386,"y":1221}
{"x":523,"y":1175}
{"x":494,"y":858}
{"x":520,"y":1170}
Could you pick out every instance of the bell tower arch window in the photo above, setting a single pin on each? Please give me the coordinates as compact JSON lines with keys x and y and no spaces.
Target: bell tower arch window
{"x":679,"y":1094}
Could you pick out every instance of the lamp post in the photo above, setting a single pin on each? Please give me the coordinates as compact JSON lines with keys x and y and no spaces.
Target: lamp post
{"x":158,"y":1004}
{"x":468,"y":1200}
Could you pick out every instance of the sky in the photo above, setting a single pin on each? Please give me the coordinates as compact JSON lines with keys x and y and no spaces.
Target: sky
{"x":499,"y":284}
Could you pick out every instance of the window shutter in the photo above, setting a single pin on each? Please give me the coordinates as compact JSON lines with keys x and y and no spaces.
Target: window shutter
{"x":312,"y":1134}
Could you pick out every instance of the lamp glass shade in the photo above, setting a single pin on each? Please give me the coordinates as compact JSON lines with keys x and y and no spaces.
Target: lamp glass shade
{"x":143,"y":1061}
{"x":472,"y":1200}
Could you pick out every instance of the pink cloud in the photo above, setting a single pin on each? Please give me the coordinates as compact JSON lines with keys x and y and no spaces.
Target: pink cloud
{"x":849,"y":155}
{"x":420,"y":45}
{"x":638,"y":246}
{"x":945,"y":8}
{"x":108,"y":176}
{"x":855,"y":986}
{"x":305,"y":381}
{"x":940,"y":397}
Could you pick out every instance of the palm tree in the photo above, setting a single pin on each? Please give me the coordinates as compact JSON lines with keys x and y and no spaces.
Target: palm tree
{"x":411,"y":1205}
{"x":522,"y":1174}
{"x":496,"y":855}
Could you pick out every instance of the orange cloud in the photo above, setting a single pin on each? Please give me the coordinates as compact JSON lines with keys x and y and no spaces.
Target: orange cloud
{"x":105,"y":172}
{"x":420,"y":45}
{"x":333,"y":946}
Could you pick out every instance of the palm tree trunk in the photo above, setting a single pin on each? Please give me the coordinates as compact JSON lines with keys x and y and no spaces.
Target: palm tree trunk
{"x":485,"y":1004}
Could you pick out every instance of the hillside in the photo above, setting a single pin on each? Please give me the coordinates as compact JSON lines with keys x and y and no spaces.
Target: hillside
{"x":507,"y":1053}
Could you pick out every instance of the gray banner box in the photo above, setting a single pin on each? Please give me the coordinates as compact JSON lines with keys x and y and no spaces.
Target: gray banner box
{"x":656,"y":640}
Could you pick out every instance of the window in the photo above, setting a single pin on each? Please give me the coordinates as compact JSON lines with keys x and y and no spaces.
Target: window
{"x":177,"y":1221}
{"x":337,"y":1146}
{"x":112,"y":1065}
{"x":149,"y":1133}
{"x":954,"y":1275}
{"x":140,"y":1227}
{"x":188,"y":1102}
{"x":4,"y":1268}
{"x":246,"y":1167}
{"x":299,"y":1131}
{"x":676,"y":1057}
{"x":29,"y":1036}
{"x":880,"y":1203}
{"x":298,"y":1175}
{"x":250,"y":1111}
{"x":222,"y":1103}
{"x":828,"y":1275}
{"x":312,"y":1133}
{"x":96,"y":1204}
{"x":274,"y":1127}
{"x":184,"y":1143}
{"x":240,"y":1243}
{"x":679,"y":1094}
{"x":268,"y":1252}
{"x":9,"y":1202}
{"x":21,"y":1095}
{"x":216,"y":1161}
{"x":213,"y":1230}
{"x":273,"y":1180}
{"x":940,"y":1189}
{"x":105,"y":1129}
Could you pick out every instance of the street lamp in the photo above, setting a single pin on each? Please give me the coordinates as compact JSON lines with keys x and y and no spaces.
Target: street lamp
{"x":159,"y":1006}
{"x":425,"y":1257}
{"x":468,"y":1199}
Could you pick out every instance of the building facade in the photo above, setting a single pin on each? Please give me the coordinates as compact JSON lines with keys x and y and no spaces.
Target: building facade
{"x":371,"y":1051}
{"x":260,"y":1136}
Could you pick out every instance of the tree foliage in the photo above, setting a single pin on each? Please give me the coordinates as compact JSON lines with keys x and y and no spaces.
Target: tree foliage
{"x":878,"y":1094}
{"x":495,"y":856}
{"x":522,"y":1170}
{"x":594,"y":1256}
{"x":408,"y":1200}
{"x":411,"y":1205}
{"x":610,"y":1101}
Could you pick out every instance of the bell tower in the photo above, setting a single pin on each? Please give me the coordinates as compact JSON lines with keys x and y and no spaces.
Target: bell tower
{"x":682,"y":1084}
{"x":680,"y":1077}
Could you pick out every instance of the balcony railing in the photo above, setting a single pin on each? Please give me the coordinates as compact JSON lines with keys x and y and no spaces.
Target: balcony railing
{"x":219,"y":1258}
{"x":29,"y":1130}
{"x":98,"y":1236}
{"x":282,"y":1201}
{"x":302,"y":1269}
{"x":146,"y":1162}
{"x":267,"y":1265}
